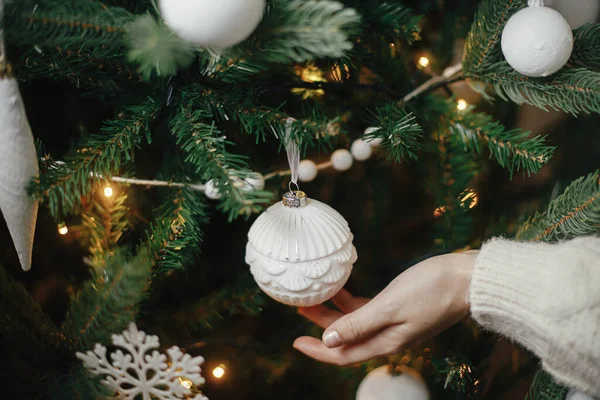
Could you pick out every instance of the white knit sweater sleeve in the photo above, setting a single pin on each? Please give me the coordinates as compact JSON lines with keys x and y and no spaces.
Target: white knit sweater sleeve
{"x":547,"y":298}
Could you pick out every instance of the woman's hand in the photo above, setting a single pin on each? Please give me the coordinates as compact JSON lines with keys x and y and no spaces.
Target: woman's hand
{"x":420,"y":303}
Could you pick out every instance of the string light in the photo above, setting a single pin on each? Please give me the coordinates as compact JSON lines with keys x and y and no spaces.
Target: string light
{"x":461,"y":105}
{"x":219,"y":372}
{"x":63,"y":229}
{"x":439,"y":211}
{"x":424,"y":62}
{"x":108,"y":191}
{"x":470,"y":198}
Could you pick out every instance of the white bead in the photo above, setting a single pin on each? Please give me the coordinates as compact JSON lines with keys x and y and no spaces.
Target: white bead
{"x":577,"y":13}
{"x":211,"y":191}
{"x":373,"y":142}
{"x":254,"y":182}
{"x":361,"y":150}
{"x":307,"y":172}
{"x":212,"y":23}
{"x":342,"y":160}
{"x":537,"y":41}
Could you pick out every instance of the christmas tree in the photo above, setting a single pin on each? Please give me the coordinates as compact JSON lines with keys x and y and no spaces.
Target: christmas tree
{"x":161,"y":131}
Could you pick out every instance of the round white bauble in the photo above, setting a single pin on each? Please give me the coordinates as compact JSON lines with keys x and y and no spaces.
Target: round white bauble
{"x":537,"y":41}
{"x":381,"y":384}
{"x":211,"y":191}
{"x":576,"y":395}
{"x":361,"y":150}
{"x":576,"y":12}
{"x":374,"y":142}
{"x":307,"y":171}
{"x":254,"y":182}
{"x":341,"y":160}
{"x":212,"y":23}
{"x":300,"y":251}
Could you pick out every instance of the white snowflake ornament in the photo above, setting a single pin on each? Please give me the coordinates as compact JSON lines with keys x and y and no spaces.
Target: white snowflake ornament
{"x":142,"y":371}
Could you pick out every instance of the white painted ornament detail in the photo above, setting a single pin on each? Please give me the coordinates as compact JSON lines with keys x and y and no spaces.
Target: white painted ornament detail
{"x":216,"y":24}
{"x":127,"y":372}
{"x":300,"y":256}
{"x":537,"y":41}
{"x":18,"y":165}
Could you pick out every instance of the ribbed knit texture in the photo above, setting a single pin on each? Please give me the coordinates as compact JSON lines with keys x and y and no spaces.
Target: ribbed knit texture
{"x":547,"y":298}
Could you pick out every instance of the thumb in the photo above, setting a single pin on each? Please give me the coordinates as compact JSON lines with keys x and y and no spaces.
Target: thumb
{"x":355,"y":326}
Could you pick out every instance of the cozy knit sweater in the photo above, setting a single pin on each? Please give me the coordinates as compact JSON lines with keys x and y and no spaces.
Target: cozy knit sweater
{"x":547,"y":298}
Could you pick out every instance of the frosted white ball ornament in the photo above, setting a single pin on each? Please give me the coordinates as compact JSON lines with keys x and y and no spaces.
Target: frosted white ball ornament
{"x":307,"y":171}
{"x":300,"y":251}
{"x":212,"y":23}
{"x":361,"y":150}
{"x":342,"y":160}
{"x":382,"y":384}
{"x":537,"y":41}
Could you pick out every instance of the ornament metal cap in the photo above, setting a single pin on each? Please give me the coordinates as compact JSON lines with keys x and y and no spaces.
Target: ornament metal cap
{"x":294,"y":199}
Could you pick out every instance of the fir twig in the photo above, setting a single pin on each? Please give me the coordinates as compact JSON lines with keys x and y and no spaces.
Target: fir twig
{"x":399,"y":131}
{"x":392,"y":20}
{"x":108,"y":303}
{"x":544,"y":387}
{"x":586,"y":50}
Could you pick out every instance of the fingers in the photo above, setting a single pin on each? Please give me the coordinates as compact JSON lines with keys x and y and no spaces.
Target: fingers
{"x":320,"y":315}
{"x":348,"y":303}
{"x":375,"y":346}
{"x":357,"y":325}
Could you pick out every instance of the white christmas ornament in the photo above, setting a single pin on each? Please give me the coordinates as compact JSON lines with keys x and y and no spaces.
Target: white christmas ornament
{"x":341,"y":160}
{"x":381,"y":384}
{"x":300,"y":251}
{"x":537,"y":41}
{"x":128,"y":374}
{"x":576,"y":12}
{"x":18,"y":165}
{"x":212,"y":23}
{"x":361,"y":150}
{"x":307,"y":171}
{"x":211,"y":191}
{"x":374,"y":142}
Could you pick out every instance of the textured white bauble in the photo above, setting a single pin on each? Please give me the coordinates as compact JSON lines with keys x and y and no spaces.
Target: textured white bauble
{"x":576,"y":395}
{"x":212,"y":23}
{"x":576,"y":12}
{"x":300,"y":251}
{"x":254,"y":182}
{"x":361,"y":150}
{"x":211,"y":191}
{"x":381,"y":384}
{"x":374,"y":142}
{"x":307,"y":171}
{"x":537,"y":41}
{"x":342,"y":160}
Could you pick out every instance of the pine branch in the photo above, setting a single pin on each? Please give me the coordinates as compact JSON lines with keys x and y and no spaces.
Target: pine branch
{"x":482,"y":47}
{"x":571,"y":90}
{"x":78,"y":384}
{"x":109,"y":302}
{"x":399,"y":132}
{"x":392,"y":20}
{"x":105,"y":221}
{"x":586,"y":50}
{"x":574,"y":213}
{"x":206,"y":150}
{"x":175,"y":238}
{"x":513,"y":149}
{"x":100,"y":156}
{"x":544,"y":387}
{"x":54,"y":23}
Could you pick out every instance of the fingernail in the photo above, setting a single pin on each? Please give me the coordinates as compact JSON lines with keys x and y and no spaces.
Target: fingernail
{"x":332,"y":339}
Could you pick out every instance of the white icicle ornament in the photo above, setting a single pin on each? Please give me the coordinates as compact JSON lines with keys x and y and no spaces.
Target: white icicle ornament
{"x":537,"y":41}
{"x":300,"y":251}
{"x":18,"y":165}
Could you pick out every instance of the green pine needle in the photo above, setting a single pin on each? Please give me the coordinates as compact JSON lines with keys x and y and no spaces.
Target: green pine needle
{"x":586,"y":50}
{"x":400,"y":132}
{"x":156,"y":49}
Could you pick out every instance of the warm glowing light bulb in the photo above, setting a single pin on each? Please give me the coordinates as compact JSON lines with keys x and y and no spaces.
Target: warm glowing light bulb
{"x":461,"y":105}
{"x":424,"y":62}
{"x":108,"y":191}
{"x":219,"y":371}
{"x":470,"y":198}
{"x":63,"y":229}
{"x":185,"y":383}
